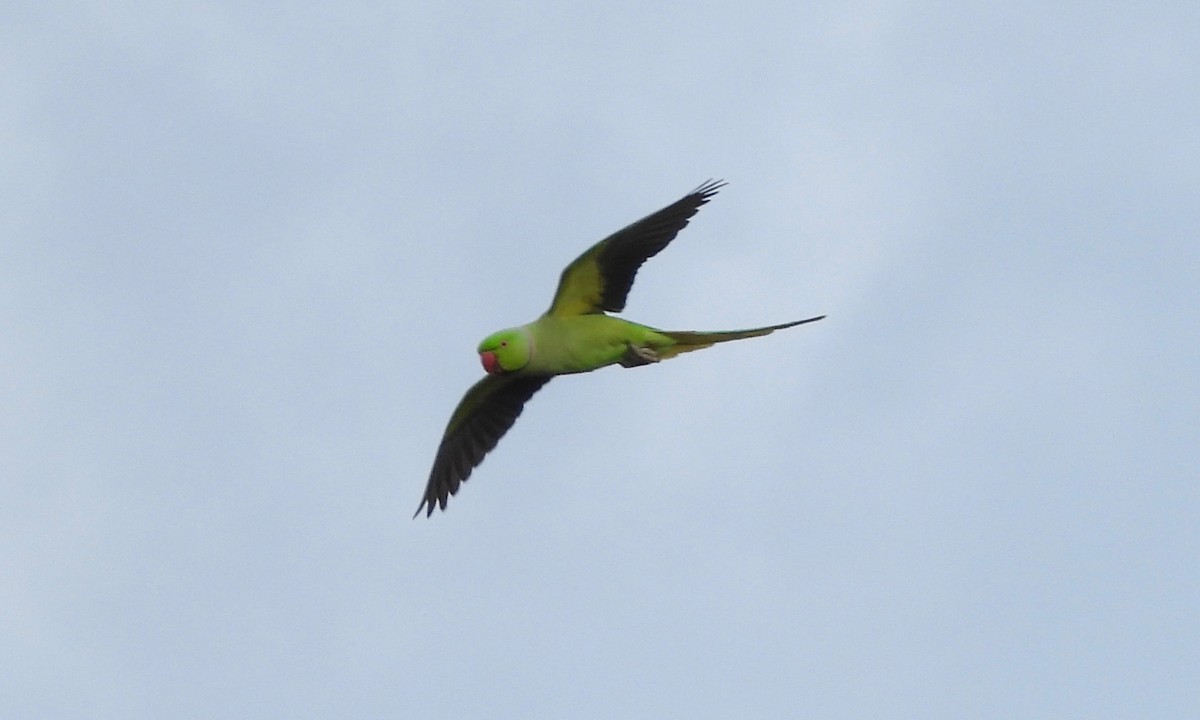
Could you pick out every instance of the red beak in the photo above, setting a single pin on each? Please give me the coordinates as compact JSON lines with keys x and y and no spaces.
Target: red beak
{"x":490,"y":363}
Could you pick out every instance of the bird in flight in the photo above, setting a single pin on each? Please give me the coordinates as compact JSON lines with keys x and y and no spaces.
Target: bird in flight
{"x":573,"y":336}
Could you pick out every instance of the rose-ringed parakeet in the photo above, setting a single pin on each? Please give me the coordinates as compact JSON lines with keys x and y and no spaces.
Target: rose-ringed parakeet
{"x":573,"y":336}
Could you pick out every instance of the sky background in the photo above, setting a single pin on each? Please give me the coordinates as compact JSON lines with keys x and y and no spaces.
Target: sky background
{"x":247,"y":251}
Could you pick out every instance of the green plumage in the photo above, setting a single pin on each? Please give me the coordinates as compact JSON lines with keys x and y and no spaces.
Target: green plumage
{"x":573,"y":336}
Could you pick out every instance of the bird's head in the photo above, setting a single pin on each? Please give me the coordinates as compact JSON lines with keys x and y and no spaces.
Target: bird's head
{"x":506,"y":351}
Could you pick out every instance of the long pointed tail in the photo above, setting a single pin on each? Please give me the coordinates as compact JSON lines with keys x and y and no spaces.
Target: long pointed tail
{"x":689,"y":341}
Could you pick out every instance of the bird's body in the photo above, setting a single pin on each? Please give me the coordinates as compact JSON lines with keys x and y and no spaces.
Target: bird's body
{"x":582,"y":343}
{"x":573,"y":336}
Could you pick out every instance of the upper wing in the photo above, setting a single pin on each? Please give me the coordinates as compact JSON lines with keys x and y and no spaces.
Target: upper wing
{"x":600,"y":278}
{"x":482,"y":417}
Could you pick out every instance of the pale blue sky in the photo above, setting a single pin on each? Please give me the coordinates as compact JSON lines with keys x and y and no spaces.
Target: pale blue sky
{"x":247,"y":250}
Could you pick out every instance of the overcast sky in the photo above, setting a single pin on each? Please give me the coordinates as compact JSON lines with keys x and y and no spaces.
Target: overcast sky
{"x":247,"y":251}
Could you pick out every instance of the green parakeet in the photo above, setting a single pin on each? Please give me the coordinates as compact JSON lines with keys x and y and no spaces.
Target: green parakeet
{"x":573,"y":336}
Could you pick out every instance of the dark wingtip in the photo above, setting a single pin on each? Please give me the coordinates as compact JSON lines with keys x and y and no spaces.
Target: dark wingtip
{"x":708,"y":188}
{"x":425,"y":505}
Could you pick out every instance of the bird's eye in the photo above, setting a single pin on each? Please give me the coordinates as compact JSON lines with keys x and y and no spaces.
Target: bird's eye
{"x":504,"y":343}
